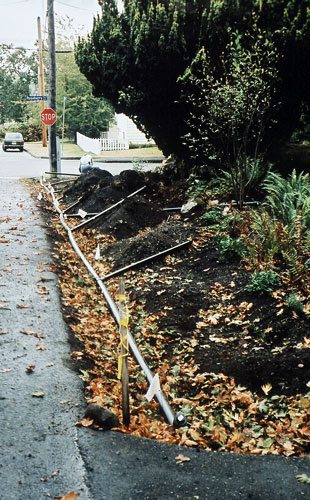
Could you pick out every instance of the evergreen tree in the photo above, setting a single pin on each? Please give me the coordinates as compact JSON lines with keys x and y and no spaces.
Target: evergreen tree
{"x":136,"y":58}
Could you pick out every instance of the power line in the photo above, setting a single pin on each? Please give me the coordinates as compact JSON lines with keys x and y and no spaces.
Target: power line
{"x":74,"y":6}
{"x":10,"y":3}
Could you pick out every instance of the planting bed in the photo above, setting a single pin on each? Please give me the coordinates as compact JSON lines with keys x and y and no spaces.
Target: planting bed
{"x":237,"y":363}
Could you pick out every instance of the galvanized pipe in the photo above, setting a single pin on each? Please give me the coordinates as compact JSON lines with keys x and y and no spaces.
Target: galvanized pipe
{"x":85,"y":223}
{"x":143,"y":261}
{"x":178,"y":420}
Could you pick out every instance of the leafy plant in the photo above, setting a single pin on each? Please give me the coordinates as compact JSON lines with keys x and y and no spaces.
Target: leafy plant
{"x":246,"y":176}
{"x":139,"y":164}
{"x":294,"y":301}
{"x":230,"y":248}
{"x":288,"y":200}
{"x":197,"y":189}
{"x":263,"y":282}
{"x":212,"y":216}
{"x":231,"y":113}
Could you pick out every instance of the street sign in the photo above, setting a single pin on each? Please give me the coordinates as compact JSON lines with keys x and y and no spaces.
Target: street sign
{"x":48,"y":116}
{"x":37,"y":98}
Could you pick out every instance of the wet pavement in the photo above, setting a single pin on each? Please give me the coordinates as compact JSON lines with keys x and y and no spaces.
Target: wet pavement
{"x":42,"y":453}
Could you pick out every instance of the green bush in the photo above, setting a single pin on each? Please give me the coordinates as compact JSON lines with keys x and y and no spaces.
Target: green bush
{"x":294,"y":302}
{"x":263,"y":282}
{"x":229,"y":248}
{"x":212,"y":216}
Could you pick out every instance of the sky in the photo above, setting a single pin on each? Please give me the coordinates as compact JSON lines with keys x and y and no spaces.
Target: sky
{"x":18,"y":18}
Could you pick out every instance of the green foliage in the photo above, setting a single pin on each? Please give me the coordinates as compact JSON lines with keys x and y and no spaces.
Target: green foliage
{"x":135,"y":59}
{"x":288,"y":200}
{"x":212,"y":216}
{"x":263,"y":282}
{"x":197,"y":189}
{"x":294,"y":301}
{"x":139,"y":164}
{"x":246,"y":177}
{"x":17,"y":72}
{"x":84,"y":113}
{"x":229,"y":248}
{"x":231,"y":114}
{"x":279,"y":233}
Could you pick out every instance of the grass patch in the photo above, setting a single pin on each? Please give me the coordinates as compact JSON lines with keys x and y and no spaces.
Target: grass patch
{"x":71,"y":149}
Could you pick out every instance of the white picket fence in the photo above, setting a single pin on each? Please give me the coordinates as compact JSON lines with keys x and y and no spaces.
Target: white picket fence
{"x":97,"y":145}
{"x":113,"y":144}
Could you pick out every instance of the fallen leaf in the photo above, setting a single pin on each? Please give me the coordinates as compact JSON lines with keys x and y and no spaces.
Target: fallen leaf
{"x":32,"y":332}
{"x":303,"y":478}
{"x":30,"y":369}
{"x":85,"y":422}
{"x":41,"y":347}
{"x":38,"y":394}
{"x":22,"y":306}
{"x":213,"y":318}
{"x":266,"y":388}
{"x":180,"y":459}
{"x":70,"y":496}
{"x":6,"y":370}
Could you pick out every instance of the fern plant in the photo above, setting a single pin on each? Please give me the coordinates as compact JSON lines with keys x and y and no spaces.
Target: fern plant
{"x":288,"y":199}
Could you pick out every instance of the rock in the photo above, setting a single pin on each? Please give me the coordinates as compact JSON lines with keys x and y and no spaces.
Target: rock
{"x":101,"y":416}
{"x":188,"y":206}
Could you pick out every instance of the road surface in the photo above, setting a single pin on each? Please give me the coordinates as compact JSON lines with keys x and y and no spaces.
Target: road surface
{"x":14,"y":165}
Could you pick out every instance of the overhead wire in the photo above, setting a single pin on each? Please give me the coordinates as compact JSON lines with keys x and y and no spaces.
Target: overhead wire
{"x":74,"y":6}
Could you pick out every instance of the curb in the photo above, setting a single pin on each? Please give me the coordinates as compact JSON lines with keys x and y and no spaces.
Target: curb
{"x":149,"y":159}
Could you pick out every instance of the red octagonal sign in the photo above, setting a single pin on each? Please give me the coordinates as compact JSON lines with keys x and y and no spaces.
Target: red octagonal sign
{"x":48,"y":116}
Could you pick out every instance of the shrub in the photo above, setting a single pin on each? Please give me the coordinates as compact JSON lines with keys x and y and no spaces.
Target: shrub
{"x":230,"y":248}
{"x":231,"y":112}
{"x":294,"y":302}
{"x":263,"y":282}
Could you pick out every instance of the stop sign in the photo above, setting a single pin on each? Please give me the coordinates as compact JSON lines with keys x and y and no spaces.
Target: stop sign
{"x":48,"y":116}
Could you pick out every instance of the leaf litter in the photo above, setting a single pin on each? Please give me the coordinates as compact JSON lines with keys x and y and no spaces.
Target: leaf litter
{"x":226,"y":358}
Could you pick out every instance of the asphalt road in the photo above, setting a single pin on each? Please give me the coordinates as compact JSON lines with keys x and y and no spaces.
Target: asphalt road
{"x":42,"y":453}
{"x":14,"y":165}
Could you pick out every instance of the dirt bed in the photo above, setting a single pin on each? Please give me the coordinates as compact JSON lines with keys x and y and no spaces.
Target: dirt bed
{"x":234,"y":362}
{"x":254,"y":339}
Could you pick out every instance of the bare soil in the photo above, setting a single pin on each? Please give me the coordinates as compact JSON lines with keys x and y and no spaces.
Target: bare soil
{"x":196,"y":297}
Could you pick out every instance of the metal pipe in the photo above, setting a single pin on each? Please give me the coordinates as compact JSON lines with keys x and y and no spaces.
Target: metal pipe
{"x":62,"y":182}
{"x":85,"y":223}
{"x":72,"y":205}
{"x":142,"y":261}
{"x":63,"y":173}
{"x":78,"y":215}
{"x":178,"y":420}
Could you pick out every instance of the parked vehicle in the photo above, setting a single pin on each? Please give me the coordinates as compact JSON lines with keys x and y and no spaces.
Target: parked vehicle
{"x":13,"y":140}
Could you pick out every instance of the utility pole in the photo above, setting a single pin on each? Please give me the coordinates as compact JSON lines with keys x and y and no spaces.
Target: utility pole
{"x":63,"y":125}
{"x":41,"y":81}
{"x":52,"y":85}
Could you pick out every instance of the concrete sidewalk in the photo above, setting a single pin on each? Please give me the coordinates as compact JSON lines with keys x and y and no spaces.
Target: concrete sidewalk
{"x":42,"y":453}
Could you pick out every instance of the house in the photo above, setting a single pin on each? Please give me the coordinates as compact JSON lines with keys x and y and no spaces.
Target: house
{"x":124,"y":130}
